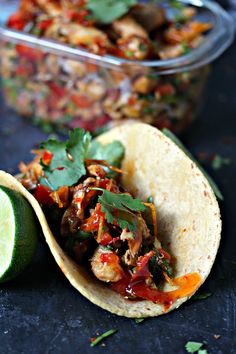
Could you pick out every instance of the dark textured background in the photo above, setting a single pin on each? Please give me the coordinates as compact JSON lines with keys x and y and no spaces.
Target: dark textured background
{"x":40,"y":312}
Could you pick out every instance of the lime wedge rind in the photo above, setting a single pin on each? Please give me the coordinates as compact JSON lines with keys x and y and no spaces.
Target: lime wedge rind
{"x":18,"y":233}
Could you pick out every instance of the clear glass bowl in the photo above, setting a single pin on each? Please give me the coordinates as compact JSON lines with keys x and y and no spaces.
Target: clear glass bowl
{"x":58,"y":86}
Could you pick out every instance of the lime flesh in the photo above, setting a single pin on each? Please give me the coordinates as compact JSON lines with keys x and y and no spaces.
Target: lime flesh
{"x":18,"y":233}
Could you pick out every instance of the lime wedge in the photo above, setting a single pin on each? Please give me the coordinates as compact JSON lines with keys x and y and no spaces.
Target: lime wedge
{"x":18,"y":233}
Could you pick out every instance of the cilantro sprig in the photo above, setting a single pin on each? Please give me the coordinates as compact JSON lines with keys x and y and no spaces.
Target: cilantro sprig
{"x":120,"y":208}
{"x":68,"y":158}
{"x":106,"y":11}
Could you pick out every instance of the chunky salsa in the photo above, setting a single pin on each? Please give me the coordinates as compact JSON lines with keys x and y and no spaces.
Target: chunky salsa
{"x":57,"y":91}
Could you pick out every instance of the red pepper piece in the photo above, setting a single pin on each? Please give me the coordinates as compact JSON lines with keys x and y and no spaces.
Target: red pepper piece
{"x":47,"y":158}
{"x":59,"y":91}
{"x":44,"y":24}
{"x":81,"y":101}
{"x":42,"y":194}
{"x":29,"y":53}
{"x":17,"y":21}
{"x":106,"y":238}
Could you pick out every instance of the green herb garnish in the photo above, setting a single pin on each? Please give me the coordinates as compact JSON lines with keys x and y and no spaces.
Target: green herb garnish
{"x":153,"y":75}
{"x":112,"y":153}
{"x":106,"y":11}
{"x":139,"y":320}
{"x":213,"y":185}
{"x":193,"y":347}
{"x":102,"y":337}
{"x":219,"y":162}
{"x":201,"y":296}
{"x":148,"y":110}
{"x":67,"y":165}
{"x":128,"y":53}
{"x":185,"y":46}
{"x":119,"y":208}
{"x":142,"y":47}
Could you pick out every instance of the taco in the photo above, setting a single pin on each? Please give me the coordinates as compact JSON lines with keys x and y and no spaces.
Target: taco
{"x":134,"y":224}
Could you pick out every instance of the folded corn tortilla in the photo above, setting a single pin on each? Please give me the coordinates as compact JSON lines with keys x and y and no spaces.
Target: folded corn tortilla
{"x":188,"y":216}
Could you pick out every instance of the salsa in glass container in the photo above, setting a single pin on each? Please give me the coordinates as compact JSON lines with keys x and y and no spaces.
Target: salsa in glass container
{"x":90,"y":64}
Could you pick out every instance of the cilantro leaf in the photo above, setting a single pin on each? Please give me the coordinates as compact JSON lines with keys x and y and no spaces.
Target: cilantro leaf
{"x":113,"y":153}
{"x":201,"y":296}
{"x":120,"y":208}
{"x":193,"y":347}
{"x":67,"y":165}
{"x":106,"y":11}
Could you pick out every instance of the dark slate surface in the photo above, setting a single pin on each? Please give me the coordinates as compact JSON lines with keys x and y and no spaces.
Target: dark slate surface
{"x":40,"y":312}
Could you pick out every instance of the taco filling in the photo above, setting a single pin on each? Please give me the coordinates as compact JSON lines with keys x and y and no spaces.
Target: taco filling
{"x":101,"y":225}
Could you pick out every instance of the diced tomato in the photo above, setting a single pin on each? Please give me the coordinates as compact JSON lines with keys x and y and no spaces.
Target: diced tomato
{"x":25,"y":69}
{"x":59,"y":91}
{"x":165,"y":89}
{"x":43,"y":25}
{"x":80,"y":17}
{"x":47,"y":158}
{"x":132,"y":100}
{"x":42,"y":194}
{"x":102,"y":120}
{"x":81,"y":101}
{"x":106,"y":238}
{"x":29,"y":53}
{"x":17,"y":21}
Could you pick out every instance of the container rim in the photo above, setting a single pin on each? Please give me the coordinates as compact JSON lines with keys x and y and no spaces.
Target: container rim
{"x":214,"y":44}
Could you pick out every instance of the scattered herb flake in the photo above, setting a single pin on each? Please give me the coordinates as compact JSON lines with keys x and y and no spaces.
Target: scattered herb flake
{"x":218,"y":162}
{"x":176,"y":4}
{"x":148,"y":110}
{"x":213,"y":185}
{"x":106,"y":11}
{"x":185,"y":47}
{"x":129,"y":53}
{"x":142,"y":47}
{"x":150,"y":199}
{"x":139,"y":320}
{"x":193,"y":347}
{"x":102,"y":337}
{"x":153,"y":75}
{"x":119,"y":208}
{"x":201,"y":296}
{"x":202,"y":351}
